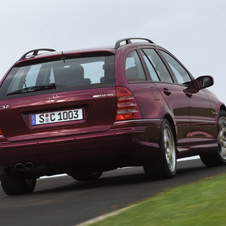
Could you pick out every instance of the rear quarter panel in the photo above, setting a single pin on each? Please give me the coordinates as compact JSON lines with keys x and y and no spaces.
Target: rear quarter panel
{"x":152,"y":105}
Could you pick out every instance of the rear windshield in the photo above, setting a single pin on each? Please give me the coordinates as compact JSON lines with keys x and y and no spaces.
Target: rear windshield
{"x":59,"y":76}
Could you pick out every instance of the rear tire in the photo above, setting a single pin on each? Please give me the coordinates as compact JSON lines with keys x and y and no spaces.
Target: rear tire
{"x":218,"y":158}
{"x":17,"y":184}
{"x":165,"y":164}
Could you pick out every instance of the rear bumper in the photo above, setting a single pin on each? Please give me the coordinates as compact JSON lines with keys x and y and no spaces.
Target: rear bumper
{"x":132,"y":141}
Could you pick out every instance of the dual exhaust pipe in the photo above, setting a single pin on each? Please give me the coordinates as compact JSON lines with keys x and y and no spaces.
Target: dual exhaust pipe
{"x":24,"y":166}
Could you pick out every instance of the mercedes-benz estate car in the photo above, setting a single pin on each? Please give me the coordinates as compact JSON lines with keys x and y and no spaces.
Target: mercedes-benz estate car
{"x":88,"y":111}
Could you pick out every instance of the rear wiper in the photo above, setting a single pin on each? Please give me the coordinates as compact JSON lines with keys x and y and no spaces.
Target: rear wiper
{"x":33,"y":89}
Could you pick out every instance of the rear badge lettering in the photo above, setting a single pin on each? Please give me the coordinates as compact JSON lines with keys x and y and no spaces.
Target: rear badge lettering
{"x":4,"y":107}
{"x":103,"y":95}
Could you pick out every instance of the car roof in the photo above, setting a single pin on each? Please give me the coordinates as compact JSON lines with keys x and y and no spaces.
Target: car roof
{"x":51,"y":53}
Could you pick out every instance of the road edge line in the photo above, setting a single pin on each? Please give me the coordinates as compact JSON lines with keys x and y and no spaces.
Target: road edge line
{"x":104,"y":216}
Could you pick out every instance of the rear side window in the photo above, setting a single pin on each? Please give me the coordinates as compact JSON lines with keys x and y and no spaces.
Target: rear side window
{"x":180,"y":73}
{"x":152,"y":72}
{"x":159,"y":66}
{"x":134,"y":68}
{"x":61,"y":75}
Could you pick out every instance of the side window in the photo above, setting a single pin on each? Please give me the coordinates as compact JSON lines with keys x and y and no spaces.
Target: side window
{"x":180,"y":73}
{"x":159,"y":66}
{"x":152,"y":72}
{"x":134,"y":69}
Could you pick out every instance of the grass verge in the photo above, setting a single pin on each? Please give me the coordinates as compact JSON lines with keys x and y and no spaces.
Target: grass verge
{"x":201,"y":203}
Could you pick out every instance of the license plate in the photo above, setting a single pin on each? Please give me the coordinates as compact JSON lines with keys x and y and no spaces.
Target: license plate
{"x":56,"y":117}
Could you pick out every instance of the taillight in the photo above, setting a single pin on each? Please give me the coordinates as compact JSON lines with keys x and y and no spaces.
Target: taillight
{"x":127,"y":107}
{"x":2,"y":137}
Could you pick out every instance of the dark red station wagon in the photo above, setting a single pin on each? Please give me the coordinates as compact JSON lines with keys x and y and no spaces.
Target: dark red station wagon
{"x":89,"y":111}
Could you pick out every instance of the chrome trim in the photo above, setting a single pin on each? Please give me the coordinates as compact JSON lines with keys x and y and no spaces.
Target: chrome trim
{"x":202,"y":120}
{"x":137,"y":120}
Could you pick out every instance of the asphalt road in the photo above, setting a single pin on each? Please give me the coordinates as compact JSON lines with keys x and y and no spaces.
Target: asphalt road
{"x":63,"y":201}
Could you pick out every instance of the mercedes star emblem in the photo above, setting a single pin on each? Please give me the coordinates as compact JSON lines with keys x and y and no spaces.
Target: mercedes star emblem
{"x":53,"y":98}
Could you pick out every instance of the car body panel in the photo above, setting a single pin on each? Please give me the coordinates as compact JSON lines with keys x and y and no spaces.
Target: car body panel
{"x":20,"y":110}
{"x":100,"y":147}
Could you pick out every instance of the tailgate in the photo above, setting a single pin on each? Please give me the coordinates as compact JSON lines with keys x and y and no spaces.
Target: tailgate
{"x":62,"y":97}
{"x":71,"y":113}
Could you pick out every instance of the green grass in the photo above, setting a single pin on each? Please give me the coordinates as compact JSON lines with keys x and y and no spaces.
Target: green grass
{"x":201,"y":203}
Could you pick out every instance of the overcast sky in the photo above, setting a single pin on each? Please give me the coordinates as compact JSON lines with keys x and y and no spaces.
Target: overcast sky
{"x":193,"y":30}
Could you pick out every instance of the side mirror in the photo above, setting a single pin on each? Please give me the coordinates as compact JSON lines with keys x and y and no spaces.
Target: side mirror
{"x":205,"y":81}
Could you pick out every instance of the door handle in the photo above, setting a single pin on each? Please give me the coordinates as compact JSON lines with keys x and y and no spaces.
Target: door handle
{"x":166,"y":91}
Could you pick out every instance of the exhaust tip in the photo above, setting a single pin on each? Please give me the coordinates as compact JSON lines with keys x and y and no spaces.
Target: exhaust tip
{"x":19,"y":166}
{"x":24,"y":166}
{"x":29,"y":165}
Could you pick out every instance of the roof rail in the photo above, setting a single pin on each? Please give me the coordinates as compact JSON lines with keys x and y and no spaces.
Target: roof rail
{"x":128,"y":41}
{"x":35,"y":53}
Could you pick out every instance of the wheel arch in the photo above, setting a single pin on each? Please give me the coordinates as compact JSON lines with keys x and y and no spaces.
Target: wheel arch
{"x":172,"y":124}
{"x":222,"y":108}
